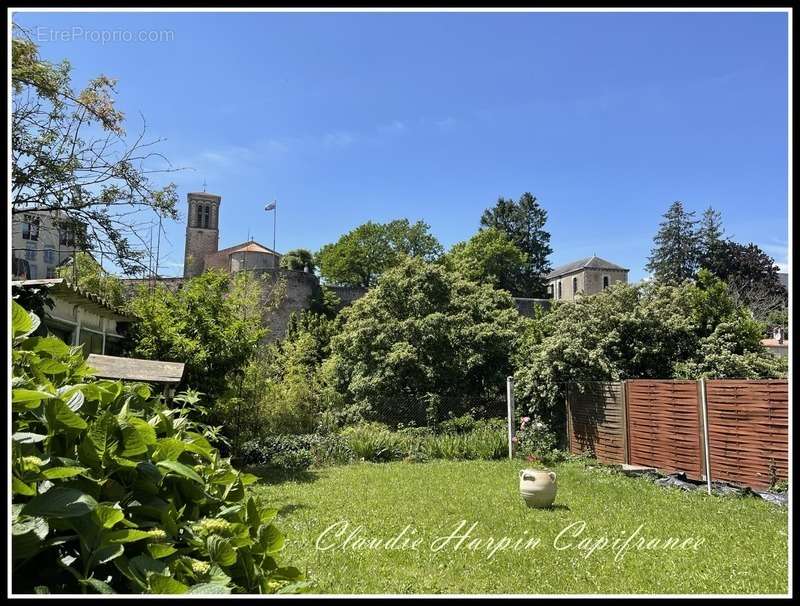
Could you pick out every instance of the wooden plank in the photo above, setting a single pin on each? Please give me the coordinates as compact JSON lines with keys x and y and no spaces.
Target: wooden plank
{"x":135,"y":369}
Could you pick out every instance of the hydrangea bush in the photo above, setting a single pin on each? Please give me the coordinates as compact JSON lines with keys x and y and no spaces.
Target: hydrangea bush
{"x":115,"y":492}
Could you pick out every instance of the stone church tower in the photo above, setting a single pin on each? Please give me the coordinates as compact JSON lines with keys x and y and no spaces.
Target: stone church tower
{"x":202,"y":231}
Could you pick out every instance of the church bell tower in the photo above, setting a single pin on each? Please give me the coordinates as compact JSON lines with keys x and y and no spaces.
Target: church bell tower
{"x":202,"y":231}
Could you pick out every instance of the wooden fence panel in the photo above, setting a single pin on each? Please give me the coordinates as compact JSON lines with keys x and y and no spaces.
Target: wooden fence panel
{"x":596,"y":423}
{"x":748,"y":423}
{"x":664,"y":428}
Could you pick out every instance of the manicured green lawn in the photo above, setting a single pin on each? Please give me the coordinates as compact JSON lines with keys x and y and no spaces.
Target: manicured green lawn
{"x":744,"y":548}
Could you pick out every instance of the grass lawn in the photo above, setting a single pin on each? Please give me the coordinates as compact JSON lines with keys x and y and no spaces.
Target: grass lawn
{"x":744,"y":548}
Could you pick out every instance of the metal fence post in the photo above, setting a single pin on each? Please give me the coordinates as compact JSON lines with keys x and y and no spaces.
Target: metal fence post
{"x":626,"y":458}
{"x":510,"y":402}
{"x":706,"y":444}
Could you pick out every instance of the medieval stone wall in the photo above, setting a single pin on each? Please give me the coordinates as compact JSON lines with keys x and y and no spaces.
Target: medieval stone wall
{"x":294,"y":289}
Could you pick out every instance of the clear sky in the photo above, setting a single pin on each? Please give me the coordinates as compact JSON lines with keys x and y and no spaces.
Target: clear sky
{"x":607,"y":118}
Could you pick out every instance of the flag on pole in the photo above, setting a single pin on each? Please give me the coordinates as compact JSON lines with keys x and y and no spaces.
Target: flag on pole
{"x":270,"y":206}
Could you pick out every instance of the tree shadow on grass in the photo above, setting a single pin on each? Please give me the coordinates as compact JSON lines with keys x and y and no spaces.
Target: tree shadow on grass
{"x":271,"y":475}
{"x":287,"y":509}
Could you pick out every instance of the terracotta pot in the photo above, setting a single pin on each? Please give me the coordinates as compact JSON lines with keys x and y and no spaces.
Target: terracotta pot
{"x":537,"y":487}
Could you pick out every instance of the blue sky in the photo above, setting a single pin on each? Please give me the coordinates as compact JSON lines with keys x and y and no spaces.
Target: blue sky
{"x":607,"y":118}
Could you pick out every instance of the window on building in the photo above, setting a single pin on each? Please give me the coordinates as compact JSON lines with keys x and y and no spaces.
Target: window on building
{"x":199,"y":215}
{"x":559,"y":289}
{"x":20,"y":268}
{"x":91,"y":342}
{"x":30,"y":228}
{"x":574,"y":286}
{"x":30,"y":251}
{"x":34,"y":272}
{"x":605,"y":282}
{"x":206,"y":216}
{"x":66,"y":236}
{"x":49,"y":254}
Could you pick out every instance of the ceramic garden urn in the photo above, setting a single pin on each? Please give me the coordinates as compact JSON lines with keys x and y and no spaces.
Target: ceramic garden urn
{"x":537,"y":487}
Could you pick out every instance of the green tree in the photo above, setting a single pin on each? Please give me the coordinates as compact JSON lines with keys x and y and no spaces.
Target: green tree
{"x":284,"y":382}
{"x":490,"y":257}
{"x":523,"y":223}
{"x":711,"y":237}
{"x":413,"y":239}
{"x":654,"y":330}
{"x":213,"y":324}
{"x":676,"y":246}
{"x":360,"y":256}
{"x":299,"y":259}
{"x":87,"y":274}
{"x":71,"y":158}
{"x":752,"y":277}
{"x":425,"y":341}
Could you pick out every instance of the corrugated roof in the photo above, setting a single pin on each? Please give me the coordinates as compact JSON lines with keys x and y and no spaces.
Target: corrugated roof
{"x":593,"y":262}
{"x":76,"y":294}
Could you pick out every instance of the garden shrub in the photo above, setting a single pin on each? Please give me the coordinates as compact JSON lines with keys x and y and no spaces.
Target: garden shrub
{"x":425,"y":342}
{"x":295,"y":453}
{"x":461,"y":424}
{"x":636,"y":331}
{"x":113,"y":491}
{"x":536,"y":442}
{"x":375,"y":442}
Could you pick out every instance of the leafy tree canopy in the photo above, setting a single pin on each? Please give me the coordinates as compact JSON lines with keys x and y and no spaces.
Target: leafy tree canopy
{"x":212,"y":324}
{"x":711,"y":236}
{"x":84,"y":271}
{"x":683,"y":245}
{"x":425,"y":340}
{"x":653,"y":330}
{"x":490,"y":257}
{"x":523,"y":223}
{"x":299,"y":259}
{"x":676,"y":246}
{"x":360,"y":256}
{"x":752,"y":277}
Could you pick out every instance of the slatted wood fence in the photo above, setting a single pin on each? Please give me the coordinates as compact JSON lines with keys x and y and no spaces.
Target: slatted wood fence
{"x":659,"y":423}
{"x":596,"y":420}
{"x":748,"y":425}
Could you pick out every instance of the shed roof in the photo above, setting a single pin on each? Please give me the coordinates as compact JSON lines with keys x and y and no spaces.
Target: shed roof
{"x":76,"y":295}
{"x":593,"y":262}
{"x":135,"y":369}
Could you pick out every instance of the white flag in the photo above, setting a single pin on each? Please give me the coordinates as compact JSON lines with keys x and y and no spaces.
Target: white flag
{"x":270,"y":206}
